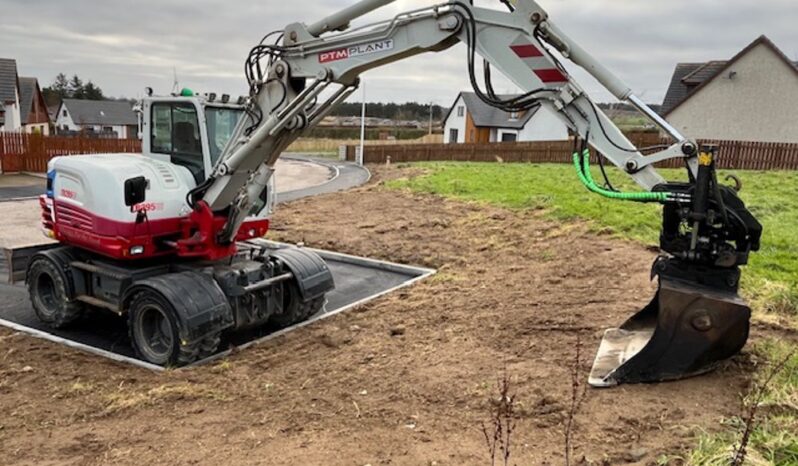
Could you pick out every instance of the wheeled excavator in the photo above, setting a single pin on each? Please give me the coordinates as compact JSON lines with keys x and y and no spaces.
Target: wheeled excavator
{"x":165,"y":239}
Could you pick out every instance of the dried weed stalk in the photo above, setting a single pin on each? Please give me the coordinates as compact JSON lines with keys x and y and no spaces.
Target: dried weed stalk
{"x":578,"y":394}
{"x":753,"y":405}
{"x":498,"y":433}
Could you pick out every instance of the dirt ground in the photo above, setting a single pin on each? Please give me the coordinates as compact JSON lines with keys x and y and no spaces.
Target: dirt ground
{"x":404,"y":380}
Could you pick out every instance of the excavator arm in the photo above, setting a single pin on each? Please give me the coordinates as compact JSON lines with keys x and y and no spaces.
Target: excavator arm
{"x":289,"y":80}
{"x":697,"y":318}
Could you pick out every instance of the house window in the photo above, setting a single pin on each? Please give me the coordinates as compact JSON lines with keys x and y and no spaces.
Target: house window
{"x":108,"y":129}
{"x":460,"y":111}
{"x":176,"y":132}
{"x":453,"y":136}
{"x":509,"y":137}
{"x":64,"y":113}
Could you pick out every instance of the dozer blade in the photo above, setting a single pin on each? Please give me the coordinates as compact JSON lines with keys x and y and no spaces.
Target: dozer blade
{"x":687,"y":329}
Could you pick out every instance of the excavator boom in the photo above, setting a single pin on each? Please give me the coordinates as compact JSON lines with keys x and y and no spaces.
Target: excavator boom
{"x":697,"y":318}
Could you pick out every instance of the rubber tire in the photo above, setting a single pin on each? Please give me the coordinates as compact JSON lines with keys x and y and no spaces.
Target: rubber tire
{"x":179,"y":355}
{"x":62,"y":311}
{"x":295,"y":310}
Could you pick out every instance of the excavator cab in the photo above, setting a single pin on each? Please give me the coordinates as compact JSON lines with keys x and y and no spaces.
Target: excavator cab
{"x":192,"y":131}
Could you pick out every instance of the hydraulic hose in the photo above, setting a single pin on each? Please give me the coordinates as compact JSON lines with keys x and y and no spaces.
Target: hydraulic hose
{"x":582,"y":165}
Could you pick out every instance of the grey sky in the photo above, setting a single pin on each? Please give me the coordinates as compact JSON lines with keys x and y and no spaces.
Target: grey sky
{"x":123,"y":45}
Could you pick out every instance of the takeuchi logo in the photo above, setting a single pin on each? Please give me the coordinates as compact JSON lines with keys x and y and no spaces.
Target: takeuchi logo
{"x":356,"y":51}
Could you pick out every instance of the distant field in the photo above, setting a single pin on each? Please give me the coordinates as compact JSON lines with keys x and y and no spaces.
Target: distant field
{"x":322,"y":145}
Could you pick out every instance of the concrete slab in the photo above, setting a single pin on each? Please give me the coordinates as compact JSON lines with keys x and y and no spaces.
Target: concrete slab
{"x":357,"y":280}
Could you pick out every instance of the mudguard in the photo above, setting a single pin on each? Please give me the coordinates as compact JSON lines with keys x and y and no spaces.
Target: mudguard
{"x":200,"y":305}
{"x":73,"y":279}
{"x":310,"y":271}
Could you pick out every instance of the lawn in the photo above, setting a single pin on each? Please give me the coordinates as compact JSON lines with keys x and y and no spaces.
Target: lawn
{"x":769,"y":281}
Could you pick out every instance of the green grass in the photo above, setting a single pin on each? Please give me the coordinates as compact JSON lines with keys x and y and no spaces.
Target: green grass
{"x":772,"y":196}
{"x":769,"y":280}
{"x":774,"y":440}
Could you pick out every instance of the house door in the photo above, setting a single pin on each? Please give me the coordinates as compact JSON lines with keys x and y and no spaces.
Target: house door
{"x":453,"y":136}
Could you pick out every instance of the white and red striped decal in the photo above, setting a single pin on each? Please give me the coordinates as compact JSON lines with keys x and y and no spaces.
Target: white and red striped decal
{"x":537,"y":61}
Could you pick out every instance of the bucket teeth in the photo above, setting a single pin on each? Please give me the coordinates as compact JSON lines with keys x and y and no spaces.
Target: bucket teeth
{"x":687,"y":329}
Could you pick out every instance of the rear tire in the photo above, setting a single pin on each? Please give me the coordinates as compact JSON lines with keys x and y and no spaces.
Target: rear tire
{"x":154,"y":333}
{"x":48,"y":294}
{"x":294,"y":309}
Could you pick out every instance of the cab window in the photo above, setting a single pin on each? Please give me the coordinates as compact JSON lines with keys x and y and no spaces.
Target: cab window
{"x":221,"y":123}
{"x":176,"y":132}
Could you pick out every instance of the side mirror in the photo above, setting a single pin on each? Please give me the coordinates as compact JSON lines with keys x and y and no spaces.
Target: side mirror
{"x":135,"y":191}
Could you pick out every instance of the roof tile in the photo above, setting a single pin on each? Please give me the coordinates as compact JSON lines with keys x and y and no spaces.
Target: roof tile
{"x":100,"y":112}
{"x":8,"y":80}
{"x":486,"y":116}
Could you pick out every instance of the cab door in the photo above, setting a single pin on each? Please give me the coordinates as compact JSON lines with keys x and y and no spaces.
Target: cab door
{"x":173,"y":130}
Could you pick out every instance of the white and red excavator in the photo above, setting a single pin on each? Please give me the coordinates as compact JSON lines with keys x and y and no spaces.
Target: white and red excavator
{"x":165,"y":239}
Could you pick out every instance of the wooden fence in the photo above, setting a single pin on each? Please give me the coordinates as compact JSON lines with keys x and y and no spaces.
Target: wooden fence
{"x":739,"y":155}
{"x":31,"y":152}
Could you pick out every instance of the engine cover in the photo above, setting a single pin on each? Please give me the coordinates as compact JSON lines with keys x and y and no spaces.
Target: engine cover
{"x":85,"y":206}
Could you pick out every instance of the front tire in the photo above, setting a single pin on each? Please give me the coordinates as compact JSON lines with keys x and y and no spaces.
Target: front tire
{"x":154,"y":333}
{"x":48,"y":294}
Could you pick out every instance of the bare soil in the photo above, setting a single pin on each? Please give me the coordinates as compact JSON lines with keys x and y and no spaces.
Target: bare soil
{"x":406,"y":379}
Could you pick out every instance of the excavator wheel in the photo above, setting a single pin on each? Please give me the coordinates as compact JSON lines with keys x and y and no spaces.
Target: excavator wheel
{"x":154,"y":333}
{"x":48,"y":294}
{"x":295,"y":310}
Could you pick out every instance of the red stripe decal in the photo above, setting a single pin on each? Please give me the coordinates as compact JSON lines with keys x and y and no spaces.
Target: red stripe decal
{"x":551,"y":75}
{"x":526,"y":51}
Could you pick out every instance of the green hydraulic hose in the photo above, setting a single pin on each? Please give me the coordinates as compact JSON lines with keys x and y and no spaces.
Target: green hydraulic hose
{"x":587,"y":179}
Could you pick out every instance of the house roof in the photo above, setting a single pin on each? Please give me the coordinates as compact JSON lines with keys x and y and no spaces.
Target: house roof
{"x":688,"y":78}
{"x":9,"y":81}
{"x":485,"y":116}
{"x":52,"y":110}
{"x":27,"y":92}
{"x":100,"y":112}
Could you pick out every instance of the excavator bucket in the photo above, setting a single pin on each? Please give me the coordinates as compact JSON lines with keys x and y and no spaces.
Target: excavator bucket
{"x":687,"y":329}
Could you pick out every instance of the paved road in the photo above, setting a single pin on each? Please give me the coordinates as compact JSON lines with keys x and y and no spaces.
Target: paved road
{"x":308,"y":175}
{"x":33,"y":187}
{"x":347,"y":176}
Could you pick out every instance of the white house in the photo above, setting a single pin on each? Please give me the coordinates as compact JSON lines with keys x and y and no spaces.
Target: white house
{"x":104,"y":117}
{"x":751,"y":97}
{"x":10,"y":117}
{"x":471,"y":120}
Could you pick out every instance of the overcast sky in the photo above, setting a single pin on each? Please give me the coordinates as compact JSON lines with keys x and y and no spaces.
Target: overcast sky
{"x":124,"y":46}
